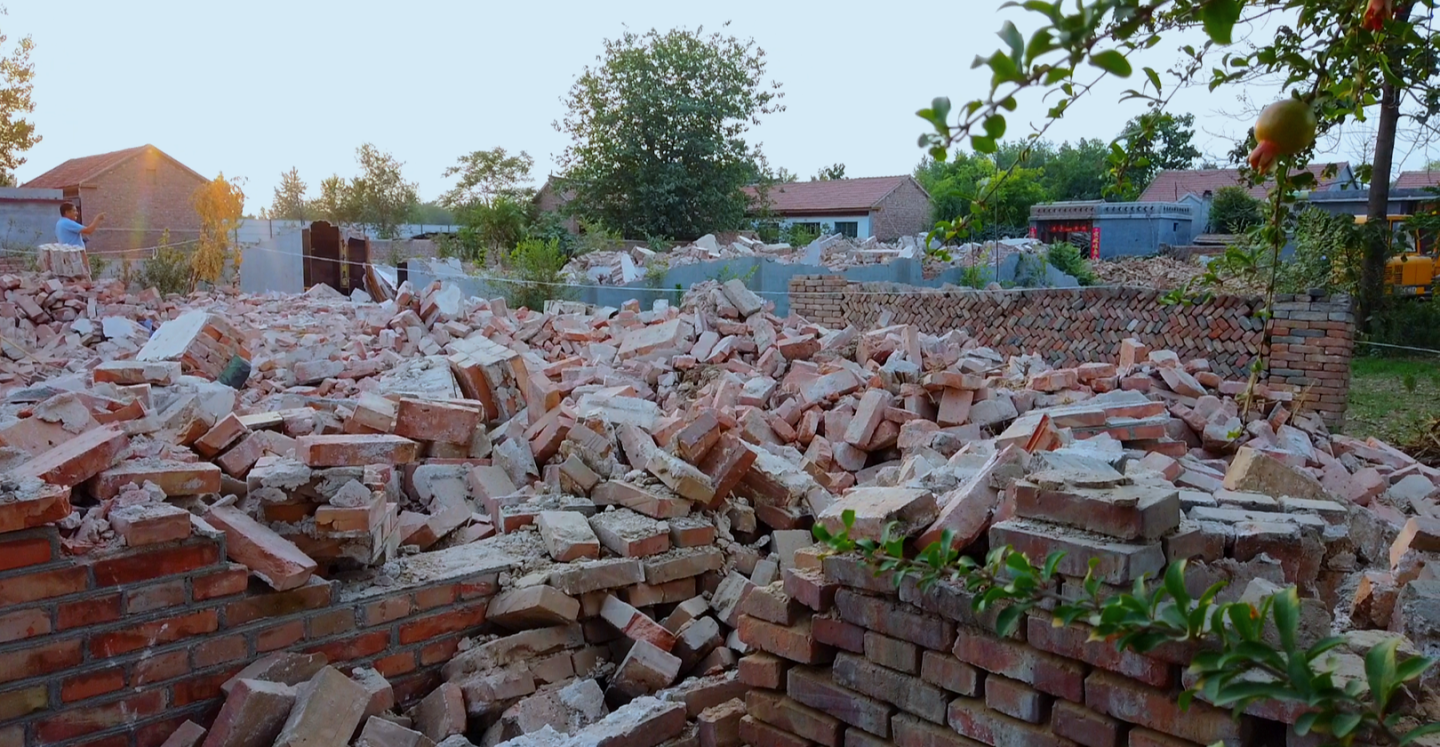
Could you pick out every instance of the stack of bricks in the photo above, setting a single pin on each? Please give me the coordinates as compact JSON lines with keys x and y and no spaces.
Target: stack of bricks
{"x":844,"y":658}
{"x":1311,"y":342}
{"x":118,"y":649}
{"x":1307,"y":346}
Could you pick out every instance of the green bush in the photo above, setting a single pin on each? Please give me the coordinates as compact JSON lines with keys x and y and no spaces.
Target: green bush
{"x":1233,"y":210}
{"x":168,"y":271}
{"x":1408,"y":322}
{"x":1067,"y":258}
{"x":534,"y":269}
{"x":797,"y":234}
{"x":1327,"y":255}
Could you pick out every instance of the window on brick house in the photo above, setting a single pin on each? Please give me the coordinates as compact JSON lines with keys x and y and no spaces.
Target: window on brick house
{"x":847,"y":228}
{"x":151,"y":176}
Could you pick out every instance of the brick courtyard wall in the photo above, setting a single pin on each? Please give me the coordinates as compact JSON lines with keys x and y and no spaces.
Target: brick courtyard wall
{"x":117,"y":650}
{"x":862,"y":663}
{"x":1307,"y":346}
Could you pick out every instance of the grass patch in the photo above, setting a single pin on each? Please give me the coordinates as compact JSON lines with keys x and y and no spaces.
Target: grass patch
{"x":1393,"y":399}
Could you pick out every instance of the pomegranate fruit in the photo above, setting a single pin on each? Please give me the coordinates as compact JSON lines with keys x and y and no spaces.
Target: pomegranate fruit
{"x":1283,"y":129}
{"x":1377,"y":12}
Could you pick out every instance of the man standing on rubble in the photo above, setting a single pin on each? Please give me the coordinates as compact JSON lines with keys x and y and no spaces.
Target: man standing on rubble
{"x":71,"y":232}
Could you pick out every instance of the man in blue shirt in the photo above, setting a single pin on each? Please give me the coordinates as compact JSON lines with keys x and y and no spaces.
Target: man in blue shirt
{"x":69,"y":231}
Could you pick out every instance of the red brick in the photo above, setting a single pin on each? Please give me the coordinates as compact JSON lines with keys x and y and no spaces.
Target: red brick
{"x":1045,"y":672}
{"x":1083,"y":726}
{"x":78,"y":459}
{"x":272,"y":558}
{"x":441,"y":595}
{"x":17,"y":626}
{"x":143,"y":566}
{"x":760,"y":734}
{"x":893,"y":620}
{"x":160,"y":667}
{"x":447,"y":622}
{"x":117,"y":740}
{"x":763,"y":670}
{"x":440,"y":651}
{"x":972,"y":719}
{"x":38,"y":660}
{"x":796,"y":642}
{"x":355,"y":451}
{"x":279,"y":636}
{"x":944,"y":670}
{"x":17,"y":703}
{"x":81,"y":721}
{"x":157,"y":733}
{"x":809,"y":587}
{"x":1016,"y":700}
{"x":230,"y":581}
{"x":833,"y":631}
{"x":202,"y":687}
{"x":312,"y":596}
{"x":219,"y":651}
{"x":154,"y":633}
{"x":91,"y":684}
{"x":436,"y":421}
{"x":484,"y":586}
{"x":790,"y":716}
{"x":815,"y":688}
{"x":25,"y":551}
{"x":911,"y":731}
{"x":396,"y":664}
{"x":387,"y":610}
{"x":1130,"y":701}
{"x":1072,"y":642}
{"x":357,"y":647}
{"x":42,"y":585}
{"x":331,"y":623}
{"x":155,"y":596}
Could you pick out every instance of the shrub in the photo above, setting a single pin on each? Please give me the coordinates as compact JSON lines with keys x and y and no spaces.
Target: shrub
{"x":797,"y":234}
{"x":1406,"y":321}
{"x":1327,"y":256}
{"x":534,"y":268}
{"x":1067,"y":258}
{"x":168,"y":271}
{"x":1233,"y":210}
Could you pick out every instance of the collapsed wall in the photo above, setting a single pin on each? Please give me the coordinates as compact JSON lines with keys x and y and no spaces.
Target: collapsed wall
{"x":1306,"y":347}
{"x":440,"y":520}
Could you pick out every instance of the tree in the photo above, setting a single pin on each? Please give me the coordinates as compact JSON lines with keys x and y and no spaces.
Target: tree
{"x":1155,"y":142}
{"x":289,"y":202}
{"x":1233,"y":210}
{"x":657,"y":132}
{"x":487,"y":174}
{"x":17,"y":134}
{"x":381,"y":199}
{"x":335,"y":203}
{"x":829,"y":173}
{"x":954,"y":185}
{"x":219,"y":204}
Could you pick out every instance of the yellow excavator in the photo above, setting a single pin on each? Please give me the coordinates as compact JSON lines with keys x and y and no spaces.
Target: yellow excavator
{"x":1415,"y":272}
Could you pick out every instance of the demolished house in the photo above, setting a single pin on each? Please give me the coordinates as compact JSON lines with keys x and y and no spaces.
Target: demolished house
{"x":256,"y":520}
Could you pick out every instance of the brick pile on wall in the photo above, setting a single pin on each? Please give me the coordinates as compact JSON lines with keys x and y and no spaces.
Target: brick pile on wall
{"x":1307,"y":346}
{"x":120,"y":649}
{"x":844,"y":658}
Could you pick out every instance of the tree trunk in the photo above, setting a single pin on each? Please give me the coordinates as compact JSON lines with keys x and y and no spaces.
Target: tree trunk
{"x":1377,"y":245}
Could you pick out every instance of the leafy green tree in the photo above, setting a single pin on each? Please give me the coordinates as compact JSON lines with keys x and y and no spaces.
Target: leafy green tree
{"x":17,"y":83}
{"x":1077,"y":172}
{"x":1233,"y":210}
{"x":486,"y":175}
{"x":289,"y":202}
{"x":829,"y":173}
{"x":335,"y":203}
{"x":1155,"y":142}
{"x":657,"y":132}
{"x":382,"y":200}
{"x":953,"y":186}
{"x":433,"y":213}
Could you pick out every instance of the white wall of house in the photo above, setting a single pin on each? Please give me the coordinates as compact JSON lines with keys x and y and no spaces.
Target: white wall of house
{"x":862,"y":223}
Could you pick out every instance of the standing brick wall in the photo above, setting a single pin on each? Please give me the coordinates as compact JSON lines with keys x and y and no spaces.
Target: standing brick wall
{"x":141,"y":198}
{"x":1307,"y":345}
{"x":903,"y":212}
{"x":862,"y":663}
{"x":117,"y":650}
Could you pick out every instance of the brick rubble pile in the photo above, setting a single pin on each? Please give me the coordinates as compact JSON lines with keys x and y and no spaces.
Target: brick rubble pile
{"x":650,"y":479}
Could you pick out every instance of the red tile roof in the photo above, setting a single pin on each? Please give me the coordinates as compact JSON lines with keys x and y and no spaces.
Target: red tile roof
{"x":1418,"y":179}
{"x":859,"y":195}
{"x":77,"y":171}
{"x":1170,"y":186}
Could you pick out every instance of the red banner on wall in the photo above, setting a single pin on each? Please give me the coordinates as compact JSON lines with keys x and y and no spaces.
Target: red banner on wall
{"x":1095,"y":242}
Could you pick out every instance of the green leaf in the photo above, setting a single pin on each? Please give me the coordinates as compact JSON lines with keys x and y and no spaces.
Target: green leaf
{"x":982,"y":144}
{"x":1380,"y":670}
{"x":995,"y":126}
{"x":1175,"y":583}
{"x":1154,"y":78}
{"x":1412,"y":668}
{"x":1305,"y":723}
{"x":1287,"y":616}
{"x":1112,"y":61}
{"x":1011,"y":36}
{"x":1423,"y":731}
{"x":1051,"y":563}
{"x":1008,"y":619}
{"x":1219,"y":17}
{"x":1344,"y":723}
{"x":941,"y":108}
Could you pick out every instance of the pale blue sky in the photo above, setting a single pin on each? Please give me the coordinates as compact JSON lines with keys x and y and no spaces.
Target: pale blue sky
{"x":254,"y":88}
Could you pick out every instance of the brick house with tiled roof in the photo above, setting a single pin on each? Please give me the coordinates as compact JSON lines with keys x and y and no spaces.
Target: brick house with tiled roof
{"x":1417,"y":180}
{"x":143,"y":191}
{"x":886,"y":207}
{"x":1173,"y":185}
